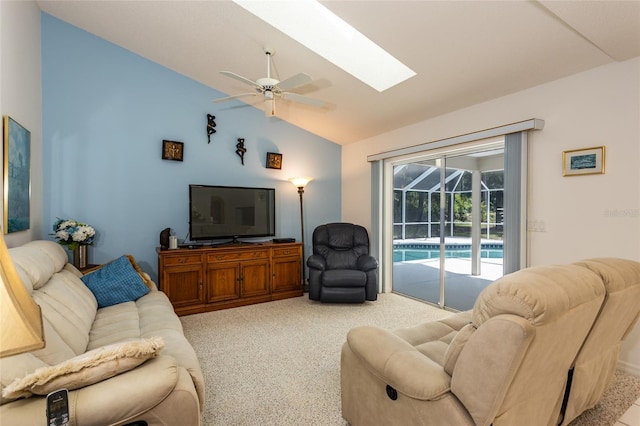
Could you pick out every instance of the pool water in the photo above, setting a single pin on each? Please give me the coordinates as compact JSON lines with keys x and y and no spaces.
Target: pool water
{"x":409,"y":254}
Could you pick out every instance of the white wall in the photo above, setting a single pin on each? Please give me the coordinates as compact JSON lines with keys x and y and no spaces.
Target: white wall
{"x":21,"y":95}
{"x":585,"y":216}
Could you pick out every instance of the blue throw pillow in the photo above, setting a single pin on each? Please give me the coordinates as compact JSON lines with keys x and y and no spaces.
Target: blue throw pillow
{"x":116,"y":282}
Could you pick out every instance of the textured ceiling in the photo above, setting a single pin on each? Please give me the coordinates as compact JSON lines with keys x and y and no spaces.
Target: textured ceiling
{"x":464,"y":52}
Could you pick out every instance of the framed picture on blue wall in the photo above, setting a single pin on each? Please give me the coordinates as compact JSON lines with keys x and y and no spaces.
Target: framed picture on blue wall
{"x":274,"y":160}
{"x":17,"y":176}
{"x":172,"y":150}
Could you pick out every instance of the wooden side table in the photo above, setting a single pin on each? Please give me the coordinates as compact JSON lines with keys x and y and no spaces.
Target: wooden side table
{"x":90,"y":268}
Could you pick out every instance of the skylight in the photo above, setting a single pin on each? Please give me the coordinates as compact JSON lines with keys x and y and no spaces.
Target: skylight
{"x":316,"y":27}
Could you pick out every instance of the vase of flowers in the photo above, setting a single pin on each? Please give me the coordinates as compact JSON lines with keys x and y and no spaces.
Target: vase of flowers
{"x":76,"y":237}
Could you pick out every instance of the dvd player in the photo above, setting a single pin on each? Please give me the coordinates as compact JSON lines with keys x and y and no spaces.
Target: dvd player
{"x":284,"y":240}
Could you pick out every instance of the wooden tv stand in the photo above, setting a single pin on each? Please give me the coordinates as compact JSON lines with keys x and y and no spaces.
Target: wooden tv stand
{"x":210,"y":278}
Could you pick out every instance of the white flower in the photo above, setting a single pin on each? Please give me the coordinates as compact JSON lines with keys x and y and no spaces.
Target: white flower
{"x":83,"y":233}
{"x":72,"y":233}
{"x":67,"y":224}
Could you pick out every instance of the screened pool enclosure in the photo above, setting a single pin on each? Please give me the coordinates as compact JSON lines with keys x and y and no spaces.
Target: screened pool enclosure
{"x":448,"y":227}
{"x":416,"y":209}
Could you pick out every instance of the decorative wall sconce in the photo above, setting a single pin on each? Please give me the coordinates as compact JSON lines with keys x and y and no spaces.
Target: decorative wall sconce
{"x":241,"y":150}
{"x":211,"y":126}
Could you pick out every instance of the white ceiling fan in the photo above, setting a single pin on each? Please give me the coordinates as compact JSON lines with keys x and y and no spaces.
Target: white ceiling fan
{"x":271,"y":88}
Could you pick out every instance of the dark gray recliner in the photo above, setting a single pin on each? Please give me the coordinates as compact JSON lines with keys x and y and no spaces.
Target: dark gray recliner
{"x":340,"y":268}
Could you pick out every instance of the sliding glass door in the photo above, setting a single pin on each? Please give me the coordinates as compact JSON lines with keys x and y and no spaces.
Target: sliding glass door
{"x":448,"y":226}
{"x":416,"y":230}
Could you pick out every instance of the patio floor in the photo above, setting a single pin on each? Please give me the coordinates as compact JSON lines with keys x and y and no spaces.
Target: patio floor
{"x":420,"y":279}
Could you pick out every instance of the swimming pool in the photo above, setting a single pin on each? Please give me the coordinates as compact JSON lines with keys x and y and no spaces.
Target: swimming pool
{"x":409,"y":252}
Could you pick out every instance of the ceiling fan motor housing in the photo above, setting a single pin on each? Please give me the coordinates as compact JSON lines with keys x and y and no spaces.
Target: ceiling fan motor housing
{"x":267,"y":83}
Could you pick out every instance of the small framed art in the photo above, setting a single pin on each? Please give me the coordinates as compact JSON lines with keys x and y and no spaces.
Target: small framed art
{"x":586,"y":161}
{"x":17,"y":176}
{"x":172,"y":150}
{"x":274,"y":160}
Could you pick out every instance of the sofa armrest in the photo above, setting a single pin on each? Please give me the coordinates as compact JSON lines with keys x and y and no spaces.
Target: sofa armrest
{"x":316,"y":261}
{"x":398,"y":364}
{"x":111,"y":401}
{"x":367,"y":263}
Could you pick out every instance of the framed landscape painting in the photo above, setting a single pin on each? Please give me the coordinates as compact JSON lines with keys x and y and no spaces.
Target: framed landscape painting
{"x":17,"y":176}
{"x":586,"y":161}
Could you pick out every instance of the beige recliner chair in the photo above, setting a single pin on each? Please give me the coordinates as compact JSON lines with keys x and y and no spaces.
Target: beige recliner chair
{"x":596,"y":363}
{"x":508,"y":365}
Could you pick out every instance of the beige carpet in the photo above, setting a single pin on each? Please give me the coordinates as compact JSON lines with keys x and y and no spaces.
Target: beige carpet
{"x":278,"y":363}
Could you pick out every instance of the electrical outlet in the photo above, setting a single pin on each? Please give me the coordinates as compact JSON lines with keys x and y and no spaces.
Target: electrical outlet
{"x":536,"y":226}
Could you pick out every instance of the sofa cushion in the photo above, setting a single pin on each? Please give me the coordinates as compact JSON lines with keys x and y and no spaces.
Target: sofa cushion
{"x":68,"y":311}
{"x":86,"y":369}
{"x":39,"y":260}
{"x":456,"y":346}
{"x":433,"y":338}
{"x":157,"y":318}
{"x":551,"y":291}
{"x":114,"y":324}
{"x":116,"y":282}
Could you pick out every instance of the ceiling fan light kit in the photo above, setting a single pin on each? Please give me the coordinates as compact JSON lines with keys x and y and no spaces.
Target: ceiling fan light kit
{"x":269,"y":107}
{"x":271,"y":88}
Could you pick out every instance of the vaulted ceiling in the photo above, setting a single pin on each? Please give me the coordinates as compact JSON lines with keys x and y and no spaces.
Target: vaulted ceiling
{"x":464,"y":52}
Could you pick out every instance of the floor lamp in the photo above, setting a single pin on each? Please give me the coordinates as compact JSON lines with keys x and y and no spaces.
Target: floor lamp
{"x":300,"y":183}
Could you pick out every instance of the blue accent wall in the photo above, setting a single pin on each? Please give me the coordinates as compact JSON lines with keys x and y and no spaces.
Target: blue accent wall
{"x":105,"y":114}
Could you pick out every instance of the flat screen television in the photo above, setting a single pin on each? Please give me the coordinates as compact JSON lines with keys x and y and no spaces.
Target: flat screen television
{"x":222,"y":212}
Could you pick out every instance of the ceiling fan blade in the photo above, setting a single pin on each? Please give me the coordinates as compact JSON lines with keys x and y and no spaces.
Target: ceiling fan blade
{"x":303,"y":99}
{"x":228,"y":98}
{"x":241,"y":78}
{"x":295,"y":81}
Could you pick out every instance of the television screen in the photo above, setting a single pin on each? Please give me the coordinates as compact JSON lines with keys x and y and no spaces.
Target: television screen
{"x":217,"y":212}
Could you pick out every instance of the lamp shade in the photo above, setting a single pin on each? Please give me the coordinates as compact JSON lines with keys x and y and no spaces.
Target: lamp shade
{"x":21,"y":321}
{"x":300,"y":182}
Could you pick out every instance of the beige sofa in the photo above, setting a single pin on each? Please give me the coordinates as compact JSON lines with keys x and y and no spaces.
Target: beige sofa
{"x":539,"y":346}
{"x":157,"y":378}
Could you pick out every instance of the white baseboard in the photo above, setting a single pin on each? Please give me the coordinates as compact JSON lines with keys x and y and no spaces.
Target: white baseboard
{"x":629,"y":368}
